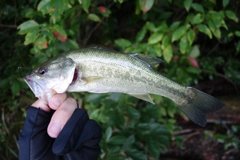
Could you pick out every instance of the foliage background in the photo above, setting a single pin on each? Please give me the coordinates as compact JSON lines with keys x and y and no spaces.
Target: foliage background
{"x":199,"y":40}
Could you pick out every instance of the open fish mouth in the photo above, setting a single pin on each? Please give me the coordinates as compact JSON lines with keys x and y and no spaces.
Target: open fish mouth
{"x":34,"y":86}
{"x":75,"y":76}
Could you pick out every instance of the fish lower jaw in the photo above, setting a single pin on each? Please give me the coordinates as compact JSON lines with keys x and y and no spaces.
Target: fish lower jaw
{"x":35,"y":87}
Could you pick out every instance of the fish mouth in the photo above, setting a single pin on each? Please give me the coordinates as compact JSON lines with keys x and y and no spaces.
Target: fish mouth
{"x":34,"y":86}
{"x":75,"y":76}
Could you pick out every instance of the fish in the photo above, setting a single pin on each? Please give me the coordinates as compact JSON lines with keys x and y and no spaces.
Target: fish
{"x":101,"y":70}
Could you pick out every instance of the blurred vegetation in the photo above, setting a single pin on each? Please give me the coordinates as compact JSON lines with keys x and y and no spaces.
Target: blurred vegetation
{"x":199,"y":40}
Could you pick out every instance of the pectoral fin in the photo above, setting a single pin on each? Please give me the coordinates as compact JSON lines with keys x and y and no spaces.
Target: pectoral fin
{"x":91,"y":79}
{"x":145,"y":97}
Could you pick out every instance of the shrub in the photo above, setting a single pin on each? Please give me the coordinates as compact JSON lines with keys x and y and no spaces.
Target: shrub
{"x":187,"y":34}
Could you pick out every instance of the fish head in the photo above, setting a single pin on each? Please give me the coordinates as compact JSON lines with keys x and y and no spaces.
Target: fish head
{"x":56,"y":74}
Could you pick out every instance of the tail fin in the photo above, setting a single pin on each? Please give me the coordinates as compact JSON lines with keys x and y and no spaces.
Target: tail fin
{"x":200,"y":106}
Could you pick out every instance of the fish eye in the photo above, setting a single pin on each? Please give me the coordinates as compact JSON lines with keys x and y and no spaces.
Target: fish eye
{"x":42,"y":71}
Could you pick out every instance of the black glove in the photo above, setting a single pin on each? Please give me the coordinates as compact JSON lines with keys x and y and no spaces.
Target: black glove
{"x":78,"y":140}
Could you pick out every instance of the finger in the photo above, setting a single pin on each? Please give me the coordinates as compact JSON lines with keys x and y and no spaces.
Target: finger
{"x":41,"y":104}
{"x":61,"y":116}
{"x":57,"y":100}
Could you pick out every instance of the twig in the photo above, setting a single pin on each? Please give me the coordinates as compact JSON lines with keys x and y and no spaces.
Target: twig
{"x":8,"y":26}
{"x":227,"y":128}
{"x":89,"y":35}
{"x":182,"y":132}
{"x":215,"y":47}
{"x":221,"y":75}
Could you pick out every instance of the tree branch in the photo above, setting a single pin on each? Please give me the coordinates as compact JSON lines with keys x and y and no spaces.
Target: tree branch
{"x":8,"y":26}
{"x":90,"y":34}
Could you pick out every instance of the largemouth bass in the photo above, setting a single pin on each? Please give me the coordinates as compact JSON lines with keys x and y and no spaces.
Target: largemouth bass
{"x":100,"y":71}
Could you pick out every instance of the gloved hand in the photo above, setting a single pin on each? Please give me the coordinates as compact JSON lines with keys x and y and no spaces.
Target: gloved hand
{"x":74,"y":137}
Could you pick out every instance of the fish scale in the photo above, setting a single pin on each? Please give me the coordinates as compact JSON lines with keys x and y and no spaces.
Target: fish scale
{"x":100,"y":70}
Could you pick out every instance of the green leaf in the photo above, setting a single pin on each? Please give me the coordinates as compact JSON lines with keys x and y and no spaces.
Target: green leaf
{"x":133,"y":112}
{"x":150,"y":26}
{"x":122,"y":43}
{"x":44,"y":6}
{"x":204,"y":29}
{"x":86,"y":5}
{"x":108,"y":133}
{"x":184,"y":44}
{"x":187,"y":4}
{"x":136,"y":154}
{"x":141,"y":34}
{"x":153,"y":147}
{"x":162,"y":28}
{"x":171,"y":110}
{"x":117,"y":140}
{"x":4,"y":83}
{"x":15,"y":87}
{"x":31,"y":37}
{"x":130,"y":140}
{"x":217,"y":33}
{"x":73,"y":44}
{"x":155,"y":50}
{"x":145,"y":5}
{"x":94,"y":17}
{"x":225,"y":3}
{"x":105,"y":11}
{"x":115,"y":96}
{"x":237,"y":33}
{"x":168,"y":53}
{"x":58,"y":28}
{"x":28,"y":26}
{"x":195,"y":52}
{"x":166,"y":40}
{"x":212,"y":25}
{"x":213,"y":1}
{"x":198,"y":7}
{"x":230,"y":35}
{"x":178,"y":33}
{"x":192,"y":70}
{"x":41,"y":43}
{"x":115,"y":156}
{"x":28,"y":13}
{"x":191,"y":36}
{"x":223,"y":24}
{"x":175,"y":25}
{"x":57,"y":8}
{"x":198,"y":18}
{"x":217,"y":18}
{"x":231,"y":15}
{"x":155,"y":38}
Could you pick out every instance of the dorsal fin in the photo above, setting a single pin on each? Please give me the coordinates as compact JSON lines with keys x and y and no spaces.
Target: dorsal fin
{"x":100,"y":47}
{"x":148,"y":60}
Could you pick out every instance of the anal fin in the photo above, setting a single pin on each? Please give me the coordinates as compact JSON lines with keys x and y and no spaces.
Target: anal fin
{"x":145,"y":97}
